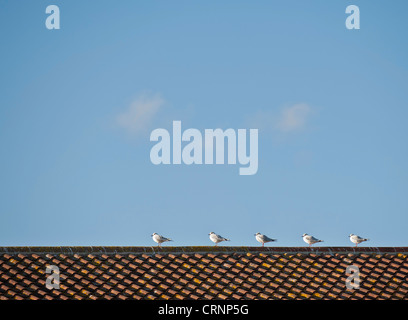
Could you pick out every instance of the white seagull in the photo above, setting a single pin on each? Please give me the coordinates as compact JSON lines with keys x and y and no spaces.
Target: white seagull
{"x":356,"y":239}
{"x":262,"y":238}
{"x":217,"y":238}
{"x":310,"y":239}
{"x":159,"y":239}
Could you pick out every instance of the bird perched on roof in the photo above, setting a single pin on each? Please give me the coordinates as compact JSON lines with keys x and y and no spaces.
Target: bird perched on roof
{"x":159,"y":239}
{"x":356,"y":239}
{"x":262,"y":238}
{"x":310,"y":239}
{"x":217,"y":238}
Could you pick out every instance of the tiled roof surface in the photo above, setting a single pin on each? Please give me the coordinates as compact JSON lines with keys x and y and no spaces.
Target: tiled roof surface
{"x":203,"y":272}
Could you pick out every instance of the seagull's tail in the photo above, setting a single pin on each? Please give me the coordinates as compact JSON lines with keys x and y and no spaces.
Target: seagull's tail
{"x":320,"y":241}
{"x":225,"y":239}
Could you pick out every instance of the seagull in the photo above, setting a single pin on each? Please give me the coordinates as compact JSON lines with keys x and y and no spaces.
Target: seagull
{"x":310,"y":239}
{"x":159,"y":239}
{"x":263,"y":239}
{"x":356,"y":239}
{"x":217,"y":238}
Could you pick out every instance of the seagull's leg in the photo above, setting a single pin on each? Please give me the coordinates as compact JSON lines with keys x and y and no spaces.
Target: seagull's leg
{"x":263,"y":244}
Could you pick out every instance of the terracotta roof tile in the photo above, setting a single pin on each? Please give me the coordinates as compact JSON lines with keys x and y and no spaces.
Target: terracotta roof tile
{"x":203,"y":273}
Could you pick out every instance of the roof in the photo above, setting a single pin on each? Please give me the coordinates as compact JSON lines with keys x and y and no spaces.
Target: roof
{"x":203,"y":272}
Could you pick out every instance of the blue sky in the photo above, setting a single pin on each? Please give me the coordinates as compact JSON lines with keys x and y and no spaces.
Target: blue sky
{"x":330,"y":105}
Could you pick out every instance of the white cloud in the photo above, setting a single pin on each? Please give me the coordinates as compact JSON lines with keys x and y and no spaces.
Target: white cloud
{"x":293,"y":118}
{"x":137,"y":118}
{"x":286,"y":120}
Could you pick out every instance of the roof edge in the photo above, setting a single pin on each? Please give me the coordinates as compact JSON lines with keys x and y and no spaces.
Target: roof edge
{"x":68,"y":250}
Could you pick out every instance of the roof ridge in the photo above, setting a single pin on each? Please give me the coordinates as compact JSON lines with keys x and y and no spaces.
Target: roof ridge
{"x":70,"y":250}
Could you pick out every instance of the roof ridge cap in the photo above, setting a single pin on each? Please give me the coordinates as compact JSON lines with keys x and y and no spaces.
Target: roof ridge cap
{"x":71,"y":250}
